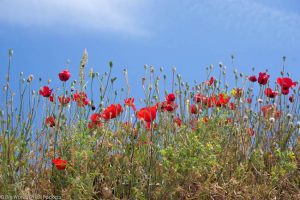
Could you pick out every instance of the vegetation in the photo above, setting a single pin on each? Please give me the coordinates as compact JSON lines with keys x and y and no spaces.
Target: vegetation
{"x":88,"y":140}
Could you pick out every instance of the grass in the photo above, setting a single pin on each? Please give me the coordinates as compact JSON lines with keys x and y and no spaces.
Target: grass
{"x":206,"y":141}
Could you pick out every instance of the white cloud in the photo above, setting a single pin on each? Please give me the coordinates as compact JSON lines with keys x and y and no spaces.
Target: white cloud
{"x":249,"y":17}
{"x":89,"y":15}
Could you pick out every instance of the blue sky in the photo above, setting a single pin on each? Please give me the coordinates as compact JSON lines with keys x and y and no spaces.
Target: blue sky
{"x":189,"y":34}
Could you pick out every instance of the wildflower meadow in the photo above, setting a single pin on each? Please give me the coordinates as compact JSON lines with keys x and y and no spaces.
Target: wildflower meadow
{"x":90,"y":138}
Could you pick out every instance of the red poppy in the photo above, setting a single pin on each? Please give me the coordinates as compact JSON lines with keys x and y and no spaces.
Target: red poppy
{"x":170,"y":97}
{"x":198,"y":98}
{"x":178,"y":121}
{"x":285,"y":91}
{"x":286,"y":83}
{"x":59,"y":163}
{"x":45,"y":91}
{"x":112,"y":111}
{"x":50,"y":121}
{"x":229,"y":121}
{"x":64,"y":75}
{"x":291,"y":98}
{"x":205,"y":119}
{"x":267,"y":110}
{"x":168,"y":106}
{"x":95,"y":121}
{"x":195,"y":109}
{"x":92,"y":125}
{"x":270,"y":93}
{"x":252,"y":78}
{"x":249,"y":100}
{"x":208,"y":101}
{"x":232,"y":106}
{"x":210,"y":81}
{"x":81,"y":99}
{"x":52,"y":98}
{"x":96,"y":117}
{"x":277,"y":114}
{"x":130,"y":102}
{"x":251,"y":131}
{"x":222,"y":100}
{"x":263,"y":78}
{"x":64,"y":100}
{"x":204,"y":100}
{"x":147,"y":114}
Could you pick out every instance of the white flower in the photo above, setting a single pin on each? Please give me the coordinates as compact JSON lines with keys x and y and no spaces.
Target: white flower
{"x":187,"y":102}
{"x":272,"y":120}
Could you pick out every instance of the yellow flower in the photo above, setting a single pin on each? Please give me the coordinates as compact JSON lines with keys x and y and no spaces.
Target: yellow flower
{"x":292,"y":155}
{"x":233,"y":92}
{"x":209,"y":145}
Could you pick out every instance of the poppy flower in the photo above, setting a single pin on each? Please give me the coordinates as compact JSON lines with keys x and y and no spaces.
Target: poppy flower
{"x":222,"y":100}
{"x":95,"y":121}
{"x":92,"y":125}
{"x":252,"y":78}
{"x":268,"y":110}
{"x":45,"y":91}
{"x":232,"y":106}
{"x":64,"y":75}
{"x":81,"y":99}
{"x":170,"y":97}
{"x":52,"y":98}
{"x":270,"y":93}
{"x":96,"y":117}
{"x":64,"y":100}
{"x":198,"y":98}
{"x":147,"y":114}
{"x":168,"y":106}
{"x":229,"y":121}
{"x":210,"y":81}
{"x":112,"y":111}
{"x":204,"y":100}
{"x":205,"y":119}
{"x":195,"y":109}
{"x":285,"y":91}
{"x":50,"y":121}
{"x":251,"y":131}
{"x":291,"y":98}
{"x":130,"y":102}
{"x":60,"y":164}
{"x":178,"y":121}
{"x":263,"y":78}
{"x":208,"y":101}
{"x":286,"y":83}
{"x":249,"y":100}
